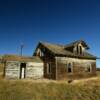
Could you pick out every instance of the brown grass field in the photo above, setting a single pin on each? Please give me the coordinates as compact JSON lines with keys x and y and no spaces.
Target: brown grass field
{"x":86,"y":89}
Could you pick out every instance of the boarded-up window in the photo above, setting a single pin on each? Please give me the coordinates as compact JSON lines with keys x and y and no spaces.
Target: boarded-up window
{"x":69,"y":68}
{"x":48,"y":68}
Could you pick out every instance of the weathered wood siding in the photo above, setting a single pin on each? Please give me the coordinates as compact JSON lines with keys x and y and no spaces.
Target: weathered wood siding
{"x":47,"y":57}
{"x":52,"y":74}
{"x":12,"y":69}
{"x":78,"y":68}
{"x":34,"y":70}
{"x":1,"y":69}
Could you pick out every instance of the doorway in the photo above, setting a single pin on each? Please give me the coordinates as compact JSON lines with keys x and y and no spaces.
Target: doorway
{"x":22,"y":70}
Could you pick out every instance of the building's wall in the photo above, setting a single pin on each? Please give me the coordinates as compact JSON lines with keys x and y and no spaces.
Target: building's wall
{"x":12,"y":69}
{"x":1,"y":70}
{"x":52,"y":74}
{"x":34,"y":70}
{"x":78,"y":68}
{"x":47,"y":57}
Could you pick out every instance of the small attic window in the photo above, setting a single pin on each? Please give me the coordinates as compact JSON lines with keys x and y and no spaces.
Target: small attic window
{"x":79,"y":50}
{"x":42,"y":52}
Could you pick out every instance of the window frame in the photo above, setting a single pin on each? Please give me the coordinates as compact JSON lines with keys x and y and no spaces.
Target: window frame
{"x":71,"y":67}
{"x":90,"y":68}
{"x":80,"y":49}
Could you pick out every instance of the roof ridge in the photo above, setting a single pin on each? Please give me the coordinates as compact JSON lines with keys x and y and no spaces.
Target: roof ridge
{"x":75,"y":41}
{"x":52,"y":43}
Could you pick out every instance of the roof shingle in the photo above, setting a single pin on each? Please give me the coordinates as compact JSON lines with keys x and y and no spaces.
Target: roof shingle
{"x":60,"y":50}
{"x":21,"y":58}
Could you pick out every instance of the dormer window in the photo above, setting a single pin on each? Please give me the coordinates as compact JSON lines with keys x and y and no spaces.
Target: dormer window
{"x":79,"y":50}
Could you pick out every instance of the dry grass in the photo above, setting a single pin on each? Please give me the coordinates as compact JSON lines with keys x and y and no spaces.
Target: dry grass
{"x":88,"y":89}
{"x":85,"y":89}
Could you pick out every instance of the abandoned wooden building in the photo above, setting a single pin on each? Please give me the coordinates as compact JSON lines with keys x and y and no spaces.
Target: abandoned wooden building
{"x":52,"y":61}
{"x":63,"y":62}
{"x":19,"y":67}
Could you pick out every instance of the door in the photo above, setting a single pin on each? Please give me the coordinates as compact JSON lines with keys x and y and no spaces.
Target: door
{"x":22,"y":70}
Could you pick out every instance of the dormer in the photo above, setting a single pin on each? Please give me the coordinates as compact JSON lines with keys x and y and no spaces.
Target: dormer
{"x":77,"y":47}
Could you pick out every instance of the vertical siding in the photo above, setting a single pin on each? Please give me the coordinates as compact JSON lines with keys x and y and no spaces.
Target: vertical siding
{"x":61,"y":71}
{"x":52,"y":74}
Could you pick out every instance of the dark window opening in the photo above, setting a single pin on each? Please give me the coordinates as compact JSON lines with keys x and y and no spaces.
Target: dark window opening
{"x":42,"y":52}
{"x":88,"y":68}
{"x":80,"y":50}
{"x":69,"y":68}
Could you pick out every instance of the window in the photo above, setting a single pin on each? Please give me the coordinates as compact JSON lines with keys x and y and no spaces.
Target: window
{"x":77,"y":50}
{"x":69,"y":67}
{"x":80,"y":50}
{"x":88,"y":68}
{"x":48,"y":68}
{"x":38,"y":52}
{"x":42,"y":52}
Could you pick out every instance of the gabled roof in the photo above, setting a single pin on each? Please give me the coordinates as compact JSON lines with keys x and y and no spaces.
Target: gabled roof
{"x":77,"y":42}
{"x":59,"y":50}
{"x":21,"y":58}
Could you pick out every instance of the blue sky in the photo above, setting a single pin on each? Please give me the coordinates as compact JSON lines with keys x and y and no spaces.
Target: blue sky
{"x":55,"y":21}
